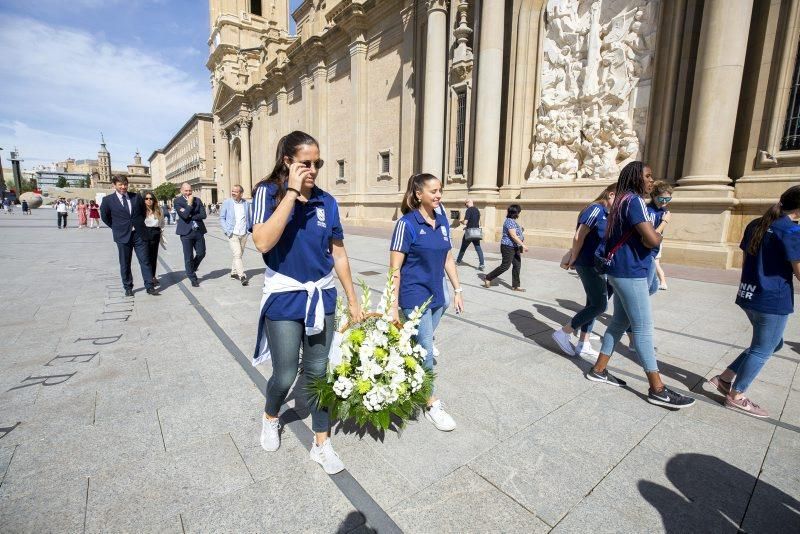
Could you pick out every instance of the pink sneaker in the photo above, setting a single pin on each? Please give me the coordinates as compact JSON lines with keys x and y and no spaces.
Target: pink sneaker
{"x":743,"y":404}
{"x":722,"y":386}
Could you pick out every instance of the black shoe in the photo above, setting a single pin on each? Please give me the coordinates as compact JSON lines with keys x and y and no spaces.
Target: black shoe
{"x":156,"y":283}
{"x":244,"y":280}
{"x":129,"y":292}
{"x":670,"y":399}
{"x":195,"y":283}
{"x":604,"y":377}
{"x":234,"y":276}
{"x":153,"y":291}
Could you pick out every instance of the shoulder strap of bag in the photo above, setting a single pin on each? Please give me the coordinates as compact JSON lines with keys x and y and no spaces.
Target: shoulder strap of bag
{"x":621,"y":242}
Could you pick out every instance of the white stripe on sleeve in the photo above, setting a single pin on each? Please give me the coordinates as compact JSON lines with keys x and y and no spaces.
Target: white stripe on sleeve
{"x":399,"y":230}
{"x":260,"y":205}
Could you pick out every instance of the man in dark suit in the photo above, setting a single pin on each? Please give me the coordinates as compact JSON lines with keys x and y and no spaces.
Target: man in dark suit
{"x":123,"y":212}
{"x":192,"y":229}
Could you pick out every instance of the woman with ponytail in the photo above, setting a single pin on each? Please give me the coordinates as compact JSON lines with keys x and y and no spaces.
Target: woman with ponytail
{"x":589,"y":231}
{"x":771,"y":246}
{"x":296,"y":227}
{"x":626,"y":251}
{"x":419,"y":257}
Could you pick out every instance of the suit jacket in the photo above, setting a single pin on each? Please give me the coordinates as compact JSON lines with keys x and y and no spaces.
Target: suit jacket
{"x":227,"y":216}
{"x":188,"y":214}
{"x":122,"y":222}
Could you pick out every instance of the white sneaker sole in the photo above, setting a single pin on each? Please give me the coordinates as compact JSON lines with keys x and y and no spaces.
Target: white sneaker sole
{"x":443,"y":429}
{"x":669,"y":405}
{"x":269,"y":449}
{"x":319,"y":461}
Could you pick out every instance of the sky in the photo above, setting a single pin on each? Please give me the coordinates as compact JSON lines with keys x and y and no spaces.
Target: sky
{"x":132,"y":69}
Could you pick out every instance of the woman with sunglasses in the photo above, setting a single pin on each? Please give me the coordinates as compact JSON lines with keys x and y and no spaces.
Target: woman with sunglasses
{"x":154,"y":221}
{"x":297,"y":229}
{"x":660,"y":197}
{"x":771,"y":246}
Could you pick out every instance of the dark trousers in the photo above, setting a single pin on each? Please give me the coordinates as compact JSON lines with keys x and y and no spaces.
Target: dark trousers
{"x":62,"y":217}
{"x":194,"y":250}
{"x":465,"y":244}
{"x":511,"y":257}
{"x":138,"y":244}
{"x":285,"y":339}
{"x":152,"y":250}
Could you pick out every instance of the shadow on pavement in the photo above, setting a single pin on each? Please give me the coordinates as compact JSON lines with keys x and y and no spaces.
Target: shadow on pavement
{"x":715,"y":496}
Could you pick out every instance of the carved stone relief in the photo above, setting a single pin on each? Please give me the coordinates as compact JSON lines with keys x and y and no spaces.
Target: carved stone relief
{"x":595,"y":87}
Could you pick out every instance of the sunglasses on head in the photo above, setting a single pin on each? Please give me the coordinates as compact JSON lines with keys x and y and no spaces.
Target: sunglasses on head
{"x":317,"y":164}
{"x":664,"y":199}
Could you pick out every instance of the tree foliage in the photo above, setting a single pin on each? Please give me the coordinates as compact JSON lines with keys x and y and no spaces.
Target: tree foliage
{"x":62,"y":182}
{"x":166,"y":191}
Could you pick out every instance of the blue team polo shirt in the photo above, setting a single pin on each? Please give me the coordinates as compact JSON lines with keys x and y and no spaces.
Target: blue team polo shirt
{"x":303,"y":251}
{"x":767,"y":277}
{"x":633,"y":259}
{"x":426,"y":249}
{"x":595,"y":216}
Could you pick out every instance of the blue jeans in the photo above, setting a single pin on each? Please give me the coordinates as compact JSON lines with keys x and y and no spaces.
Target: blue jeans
{"x":594,"y":285}
{"x":285,"y":338}
{"x":465,"y":244}
{"x":767,"y":339}
{"x":652,"y":277}
{"x":427,"y":325}
{"x":632,"y":308}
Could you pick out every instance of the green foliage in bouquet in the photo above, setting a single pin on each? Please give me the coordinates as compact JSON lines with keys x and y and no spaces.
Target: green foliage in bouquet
{"x":375,"y":370}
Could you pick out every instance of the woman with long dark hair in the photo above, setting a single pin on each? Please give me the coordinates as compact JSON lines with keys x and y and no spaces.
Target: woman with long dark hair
{"x":297,"y":229}
{"x":589,"y":231}
{"x":419,"y":257}
{"x":626,"y":248}
{"x":771,"y":246}
{"x":154,"y":221}
{"x":512,"y":245}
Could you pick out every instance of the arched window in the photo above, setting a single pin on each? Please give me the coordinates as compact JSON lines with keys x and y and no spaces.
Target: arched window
{"x":791,"y":130}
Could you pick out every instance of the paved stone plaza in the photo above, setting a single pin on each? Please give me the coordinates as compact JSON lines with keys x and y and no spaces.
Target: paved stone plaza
{"x":143,"y":415}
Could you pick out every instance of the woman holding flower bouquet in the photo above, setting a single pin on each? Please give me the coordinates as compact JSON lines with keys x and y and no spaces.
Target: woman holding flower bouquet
{"x":419,"y":257}
{"x":296,"y":227}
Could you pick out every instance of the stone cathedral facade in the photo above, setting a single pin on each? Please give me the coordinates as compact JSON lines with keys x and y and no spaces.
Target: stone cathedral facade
{"x":534,"y":102}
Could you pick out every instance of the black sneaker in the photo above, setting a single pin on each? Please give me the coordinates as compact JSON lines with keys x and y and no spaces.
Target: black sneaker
{"x":670,"y":399}
{"x":195,"y":283}
{"x":244,"y":281}
{"x":234,"y":276}
{"x":604,"y":377}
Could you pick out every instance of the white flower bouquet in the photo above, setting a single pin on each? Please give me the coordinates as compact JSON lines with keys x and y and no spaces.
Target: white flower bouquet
{"x":375,"y":368}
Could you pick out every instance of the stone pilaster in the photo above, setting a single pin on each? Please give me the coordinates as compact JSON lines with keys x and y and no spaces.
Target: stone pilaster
{"x":433,"y":119}
{"x":224,"y":154}
{"x":359,"y":84}
{"x":246,"y":175}
{"x":489,"y":94}
{"x":715,"y":97}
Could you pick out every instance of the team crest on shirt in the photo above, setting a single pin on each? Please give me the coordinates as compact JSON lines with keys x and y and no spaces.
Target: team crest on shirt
{"x":321,"y":217}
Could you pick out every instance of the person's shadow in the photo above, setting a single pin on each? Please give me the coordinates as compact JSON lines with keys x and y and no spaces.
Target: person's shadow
{"x":213,"y":275}
{"x":715,"y":496}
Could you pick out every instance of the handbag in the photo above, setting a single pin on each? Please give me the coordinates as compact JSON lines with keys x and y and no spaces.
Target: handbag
{"x":473,"y":234}
{"x":602,"y":263}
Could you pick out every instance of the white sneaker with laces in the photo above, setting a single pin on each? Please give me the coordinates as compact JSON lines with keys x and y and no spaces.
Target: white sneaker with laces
{"x":564,"y":342}
{"x":325,"y":456}
{"x":437,"y":415}
{"x":270,"y":434}
{"x":584,"y":348}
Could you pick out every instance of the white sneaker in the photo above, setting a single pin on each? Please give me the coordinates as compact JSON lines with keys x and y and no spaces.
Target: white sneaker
{"x":325,"y":456}
{"x":564,"y":342}
{"x":437,"y":415}
{"x":270,"y":435}
{"x":435,"y":352}
{"x":594,"y":337}
{"x":584,"y":348}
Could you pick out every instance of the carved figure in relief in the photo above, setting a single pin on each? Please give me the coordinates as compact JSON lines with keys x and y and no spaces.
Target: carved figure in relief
{"x":588,"y":125}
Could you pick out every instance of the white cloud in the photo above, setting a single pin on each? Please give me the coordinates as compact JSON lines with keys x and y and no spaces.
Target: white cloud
{"x":67,"y":85}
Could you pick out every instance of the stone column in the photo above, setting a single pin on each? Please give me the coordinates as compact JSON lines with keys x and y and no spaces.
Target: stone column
{"x":246,"y":180}
{"x":224,"y":177}
{"x":359,"y":84}
{"x":321,"y":120}
{"x":283,"y":110}
{"x":489,"y":94}
{"x":715,"y":97}
{"x":435,"y":91}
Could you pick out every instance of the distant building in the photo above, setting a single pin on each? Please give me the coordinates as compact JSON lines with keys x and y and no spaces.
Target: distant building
{"x":189,"y":157}
{"x":50,"y":178}
{"x":158,"y":168}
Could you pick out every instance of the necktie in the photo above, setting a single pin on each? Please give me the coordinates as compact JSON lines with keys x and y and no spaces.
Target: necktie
{"x":125,"y":203}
